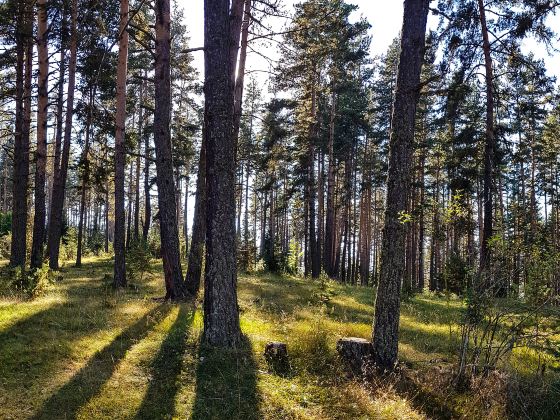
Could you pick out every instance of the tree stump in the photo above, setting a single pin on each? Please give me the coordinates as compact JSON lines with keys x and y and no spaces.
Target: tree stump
{"x":355,"y":352}
{"x":276,"y":354}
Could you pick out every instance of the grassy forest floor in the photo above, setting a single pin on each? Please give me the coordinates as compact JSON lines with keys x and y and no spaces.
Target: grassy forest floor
{"x":82,"y":351}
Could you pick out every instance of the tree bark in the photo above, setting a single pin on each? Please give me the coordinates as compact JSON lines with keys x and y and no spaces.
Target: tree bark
{"x":221,"y":316}
{"x":24,"y":63}
{"x":59,"y":183}
{"x":489,"y":146}
{"x":41,"y":152}
{"x":119,"y":279}
{"x":169,"y":231}
{"x":196,"y":254}
{"x":387,"y":303}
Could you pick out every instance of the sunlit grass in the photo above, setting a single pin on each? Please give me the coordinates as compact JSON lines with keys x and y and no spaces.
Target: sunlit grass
{"x":83,"y":351}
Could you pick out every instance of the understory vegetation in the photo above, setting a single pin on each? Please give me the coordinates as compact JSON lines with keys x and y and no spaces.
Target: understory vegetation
{"x":82,"y":350}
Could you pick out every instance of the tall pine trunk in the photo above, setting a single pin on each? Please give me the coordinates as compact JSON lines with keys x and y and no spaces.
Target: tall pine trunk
{"x":487,"y":196}
{"x":24,"y":63}
{"x":388,"y":299}
{"x":119,"y":279}
{"x":59,"y":183}
{"x":221,"y":316}
{"x":196,"y":254}
{"x":169,"y":231}
{"x":41,"y":151}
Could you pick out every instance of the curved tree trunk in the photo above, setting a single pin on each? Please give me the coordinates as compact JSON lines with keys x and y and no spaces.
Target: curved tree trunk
{"x":221,"y":316}
{"x":119,"y":279}
{"x":388,"y":299}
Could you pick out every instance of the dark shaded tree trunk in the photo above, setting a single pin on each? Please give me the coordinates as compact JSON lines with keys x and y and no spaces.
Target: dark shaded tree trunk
{"x":169,"y":230}
{"x":24,"y":63}
{"x":196,"y":254}
{"x":330,"y":226}
{"x":388,"y":299}
{"x":59,"y":183}
{"x":221,"y":316}
{"x":489,"y":147}
{"x":41,"y":151}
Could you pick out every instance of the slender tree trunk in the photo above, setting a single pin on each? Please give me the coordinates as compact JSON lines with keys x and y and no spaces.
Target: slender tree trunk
{"x":221,"y":316}
{"x":196,"y":255}
{"x":41,"y":152}
{"x":119,"y":279}
{"x":330,"y":227}
{"x":387,"y":302}
{"x":137,"y":180}
{"x":239,"y":81}
{"x":147,"y":201}
{"x":489,"y":146}
{"x":24,"y":63}
{"x":59,"y":183}
{"x":169,"y":230}
{"x":85,"y":180}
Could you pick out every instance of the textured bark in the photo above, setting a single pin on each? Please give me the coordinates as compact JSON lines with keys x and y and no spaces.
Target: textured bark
{"x":59,"y":183}
{"x":240,"y":80}
{"x":221,"y":316}
{"x":387,"y":303}
{"x":489,"y":146}
{"x":196,"y":254}
{"x":24,"y":63}
{"x":41,"y":151}
{"x":355,"y":353}
{"x":119,"y":278}
{"x":169,"y":230}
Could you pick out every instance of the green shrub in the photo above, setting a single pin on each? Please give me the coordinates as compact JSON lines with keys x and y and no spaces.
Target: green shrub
{"x":5,"y":245}
{"x":5,"y":223}
{"x":138,"y":261}
{"x":32,"y":283}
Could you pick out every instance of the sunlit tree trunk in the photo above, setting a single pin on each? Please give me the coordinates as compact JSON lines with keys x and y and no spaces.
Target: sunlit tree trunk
{"x":387,"y":303}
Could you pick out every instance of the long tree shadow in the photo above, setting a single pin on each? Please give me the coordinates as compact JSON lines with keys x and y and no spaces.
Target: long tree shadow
{"x":226,"y":384}
{"x":165,"y":370}
{"x":66,"y":402}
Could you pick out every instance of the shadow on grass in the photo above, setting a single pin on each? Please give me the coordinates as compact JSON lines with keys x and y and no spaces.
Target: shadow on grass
{"x":165,"y":371}
{"x":226,"y":384}
{"x":85,"y":384}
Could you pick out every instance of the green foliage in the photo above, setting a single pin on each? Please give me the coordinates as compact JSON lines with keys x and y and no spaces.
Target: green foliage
{"x":69,"y":243}
{"x":138,"y":261}
{"x":457,"y":274}
{"x":295,"y":253}
{"x":30,"y":284}
{"x":5,"y":245}
{"x":5,"y":223}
